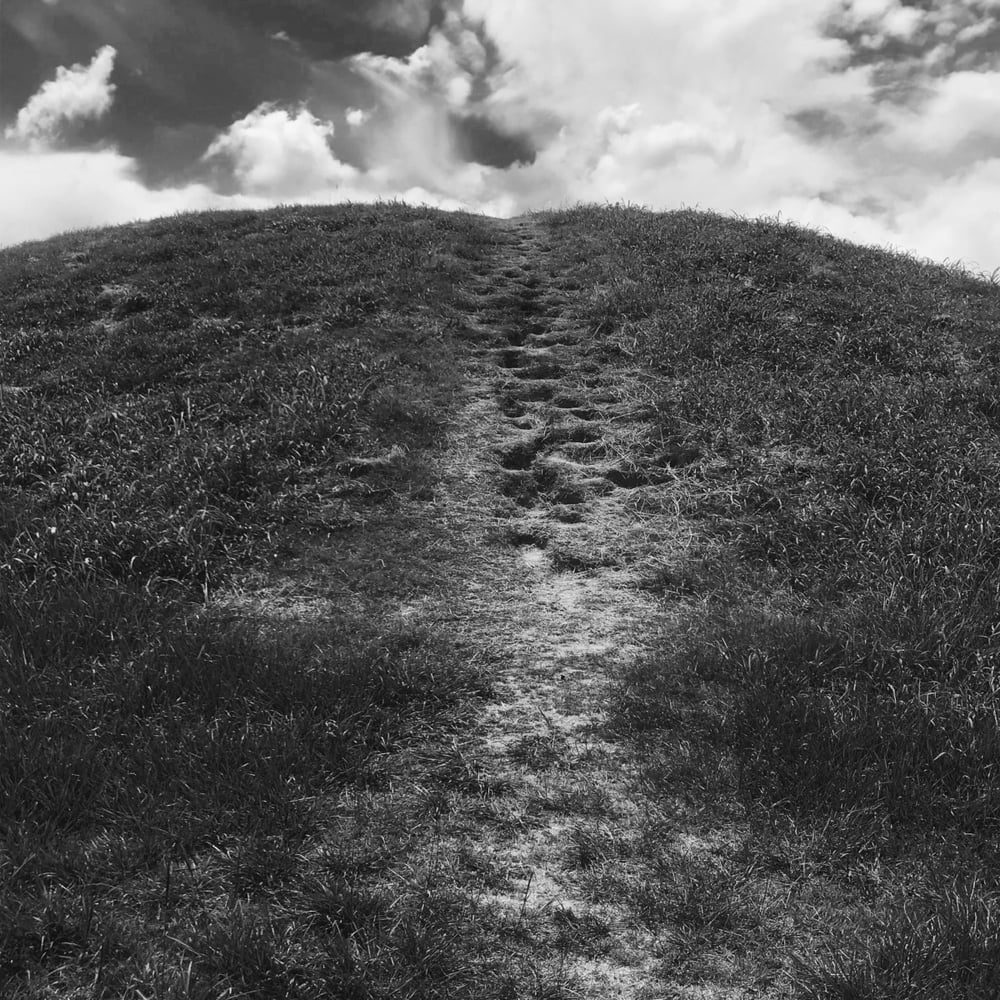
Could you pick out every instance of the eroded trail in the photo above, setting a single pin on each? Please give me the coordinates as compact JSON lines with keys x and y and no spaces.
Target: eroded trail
{"x":528,"y":839}
{"x":574,"y":618}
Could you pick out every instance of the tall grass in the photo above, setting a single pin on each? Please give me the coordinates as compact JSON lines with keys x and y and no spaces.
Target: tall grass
{"x":943,"y":943}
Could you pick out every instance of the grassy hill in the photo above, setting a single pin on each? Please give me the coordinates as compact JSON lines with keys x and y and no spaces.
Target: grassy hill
{"x":240,"y":452}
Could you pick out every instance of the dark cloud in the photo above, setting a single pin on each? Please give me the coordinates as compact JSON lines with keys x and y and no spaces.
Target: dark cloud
{"x":332,"y":29}
{"x":186,"y":69}
{"x":479,"y":141}
{"x":947,"y":35}
{"x":819,"y":123}
{"x":171,"y":155}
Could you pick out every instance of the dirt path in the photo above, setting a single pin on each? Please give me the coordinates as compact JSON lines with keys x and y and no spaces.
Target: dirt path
{"x":534,"y":814}
{"x":572,"y":624}
{"x":568,"y":845}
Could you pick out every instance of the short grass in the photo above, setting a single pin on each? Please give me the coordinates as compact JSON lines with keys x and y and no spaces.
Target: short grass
{"x":184,"y":399}
{"x":171,"y":388}
{"x":838,"y":407}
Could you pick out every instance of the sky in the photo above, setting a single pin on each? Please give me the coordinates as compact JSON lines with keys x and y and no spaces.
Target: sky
{"x":875,"y":120}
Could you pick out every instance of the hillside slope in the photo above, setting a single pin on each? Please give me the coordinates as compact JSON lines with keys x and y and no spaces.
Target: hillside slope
{"x":404,"y":604}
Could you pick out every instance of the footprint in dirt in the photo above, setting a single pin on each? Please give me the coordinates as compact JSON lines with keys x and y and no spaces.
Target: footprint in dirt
{"x":528,"y":363}
{"x":513,"y":408}
{"x":522,"y":423}
{"x":660,"y":470}
{"x":629,"y":478}
{"x":520,"y":533}
{"x":568,"y":401}
{"x":575,"y":434}
{"x":510,"y":357}
{"x":524,"y":330}
{"x":531,"y":541}
{"x":576,"y":407}
{"x":539,"y":370}
{"x":553,"y":338}
{"x":539,"y":391}
{"x":520,"y":453}
{"x":524,"y":486}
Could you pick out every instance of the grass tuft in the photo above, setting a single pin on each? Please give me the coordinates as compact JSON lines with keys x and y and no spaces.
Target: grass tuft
{"x":943,"y":943}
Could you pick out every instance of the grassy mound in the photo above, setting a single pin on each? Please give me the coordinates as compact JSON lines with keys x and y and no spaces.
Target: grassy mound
{"x":187,"y":397}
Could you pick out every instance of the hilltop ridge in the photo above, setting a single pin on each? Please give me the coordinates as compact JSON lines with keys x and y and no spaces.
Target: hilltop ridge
{"x":396,"y":603}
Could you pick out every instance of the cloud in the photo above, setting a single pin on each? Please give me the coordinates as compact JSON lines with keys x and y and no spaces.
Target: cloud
{"x":47,"y":192}
{"x":953,"y":219}
{"x":957,"y":123}
{"x":649,"y":103}
{"x":61,"y":191}
{"x":272,"y":156}
{"x":875,"y":119}
{"x":276,"y":154}
{"x":867,"y":118}
{"x":410,"y":17}
{"x":443,"y":70}
{"x":413,"y":139}
{"x":76,"y":93}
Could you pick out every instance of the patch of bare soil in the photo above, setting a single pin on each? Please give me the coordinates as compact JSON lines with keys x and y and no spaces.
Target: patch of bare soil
{"x":578,"y":840}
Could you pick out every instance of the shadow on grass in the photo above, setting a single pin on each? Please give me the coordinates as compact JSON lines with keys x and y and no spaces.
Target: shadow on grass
{"x":212,"y":724}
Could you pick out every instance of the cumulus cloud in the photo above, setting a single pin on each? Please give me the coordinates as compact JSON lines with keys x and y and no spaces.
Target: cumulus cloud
{"x":78,"y":92}
{"x":275,"y":153}
{"x":887,"y":16}
{"x":649,"y":103}
{"x":957,"y":123}
{"x":443,"y":69}
{"x":953,"y":219}
{"x":412,"y":139}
